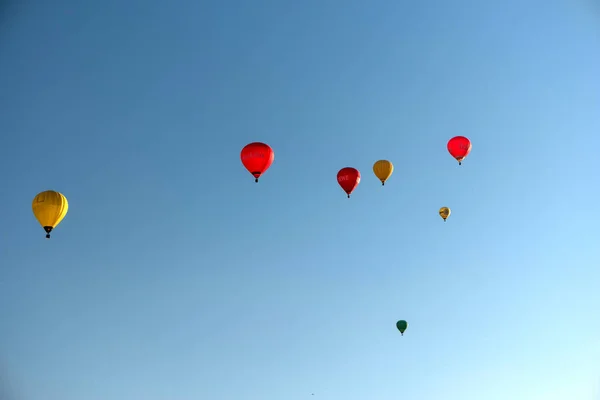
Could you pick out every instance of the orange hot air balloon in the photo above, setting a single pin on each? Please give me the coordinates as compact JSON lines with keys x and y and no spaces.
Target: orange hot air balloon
{"x":348,"y":178}
{"x":257,"y":158}
{"x":459,"y":147}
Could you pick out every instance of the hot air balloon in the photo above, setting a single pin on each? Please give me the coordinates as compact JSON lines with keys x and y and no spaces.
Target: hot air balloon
{"x":383,"y":169}
{"x":459,"y":147}
{"x":49,"y":208}
{"x":445,"y":213}
{"x":402,"y":325}
{"x":348,"y":178}
{"x":257,"y":158}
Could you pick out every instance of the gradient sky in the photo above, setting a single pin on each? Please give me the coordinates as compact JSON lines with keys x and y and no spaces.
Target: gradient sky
{"x":175,"y":277}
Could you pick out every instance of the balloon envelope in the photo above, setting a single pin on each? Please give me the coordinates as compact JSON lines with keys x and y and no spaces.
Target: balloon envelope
{"x":383,"y":169}
{"x":49,"y":208}
{"x":445,"y":212}
{"x":257,"y":157}
{"x":459,"y":147}
{"x":348,"y":178}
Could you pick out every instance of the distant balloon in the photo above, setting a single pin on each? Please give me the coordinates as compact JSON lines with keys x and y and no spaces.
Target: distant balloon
{"x":383,"y":169}
{"x":445,"y":213}
{"x":459,"y":147}
{"x":348,"y":178}
{"x":49,"y":208}
{"x":257,"y":158}
{"x":402,"y":325}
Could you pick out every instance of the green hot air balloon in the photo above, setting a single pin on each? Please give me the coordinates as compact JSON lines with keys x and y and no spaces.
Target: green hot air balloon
{"x":402,"y":325}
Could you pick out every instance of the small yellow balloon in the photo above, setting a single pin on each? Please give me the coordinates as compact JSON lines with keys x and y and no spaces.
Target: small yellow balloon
{"x":445,"y":213}
{"x":49,"y":208}
{"x":383,"y":170}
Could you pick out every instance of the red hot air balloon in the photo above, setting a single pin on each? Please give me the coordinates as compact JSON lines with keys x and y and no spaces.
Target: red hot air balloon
{"x":459,"y":148}
{"x":257,"y":158}
{"x":348,"y":178}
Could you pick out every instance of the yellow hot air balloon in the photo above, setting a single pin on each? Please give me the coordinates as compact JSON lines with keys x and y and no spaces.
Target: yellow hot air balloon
{"x":49,"y":208}
{"x":445,"y":213}
{"x":383,"y":170}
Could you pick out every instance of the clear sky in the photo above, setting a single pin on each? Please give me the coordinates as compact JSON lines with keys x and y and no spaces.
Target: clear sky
{"x":175,"y":277}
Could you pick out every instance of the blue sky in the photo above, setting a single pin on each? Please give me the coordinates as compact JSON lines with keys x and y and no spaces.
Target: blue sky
{"x":174,"y":276}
